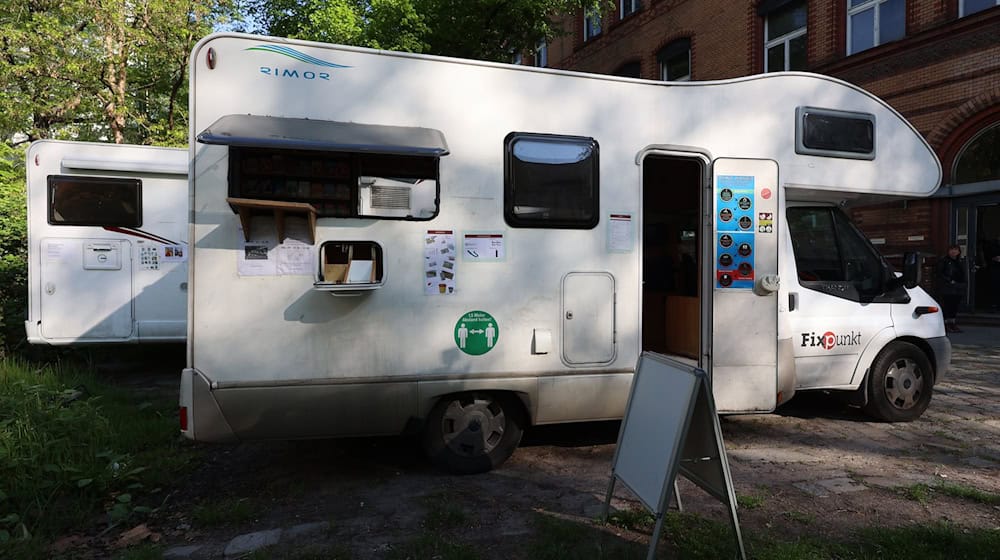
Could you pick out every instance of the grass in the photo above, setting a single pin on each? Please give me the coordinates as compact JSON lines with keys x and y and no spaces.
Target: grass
{"x":922,"y":493}
{"x":750,"y":502}
{"x":74,"y":449}
{"x":442,"y":513}
{"x":918,"y":493}
{"x":432,"y":545}
{"x":215,"y":512}
{"x":692,"y":537}
{"x":970,"y":493}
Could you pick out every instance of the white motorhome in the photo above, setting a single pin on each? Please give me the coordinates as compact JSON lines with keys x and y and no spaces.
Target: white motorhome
{"x":107,"y":238}
{"x":385,"y":242}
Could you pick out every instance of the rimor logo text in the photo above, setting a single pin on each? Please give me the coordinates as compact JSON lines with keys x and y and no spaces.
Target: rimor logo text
{"x":830,"y":339}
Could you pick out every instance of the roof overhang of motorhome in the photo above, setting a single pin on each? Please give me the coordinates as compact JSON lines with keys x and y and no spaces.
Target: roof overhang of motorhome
{"x":255,"y":131}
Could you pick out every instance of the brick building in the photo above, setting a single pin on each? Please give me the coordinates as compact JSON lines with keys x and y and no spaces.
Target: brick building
{"x":936,"y":61}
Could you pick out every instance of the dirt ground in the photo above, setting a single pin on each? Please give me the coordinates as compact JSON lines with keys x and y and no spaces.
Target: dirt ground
{"x":817,"y":467}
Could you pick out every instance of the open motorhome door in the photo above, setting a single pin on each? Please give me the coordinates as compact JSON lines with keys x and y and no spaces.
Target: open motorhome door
{"x":744,"y":365}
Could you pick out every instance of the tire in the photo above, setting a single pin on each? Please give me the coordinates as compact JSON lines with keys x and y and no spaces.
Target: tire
{"x":472,"y":433}
{"x":900,"y":383}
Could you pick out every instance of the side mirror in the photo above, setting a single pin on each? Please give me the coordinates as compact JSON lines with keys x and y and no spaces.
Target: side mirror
{"x":912,"y":265}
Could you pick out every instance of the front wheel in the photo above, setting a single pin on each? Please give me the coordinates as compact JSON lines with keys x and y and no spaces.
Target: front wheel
{"x":473,"y":432}
{"x":900,"y":383}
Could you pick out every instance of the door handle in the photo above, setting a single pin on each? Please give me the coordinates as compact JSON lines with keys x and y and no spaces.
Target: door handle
{"x":793,"y":301}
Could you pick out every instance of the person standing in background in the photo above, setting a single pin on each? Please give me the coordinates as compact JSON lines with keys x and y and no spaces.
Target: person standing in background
{"x":950,"y":280}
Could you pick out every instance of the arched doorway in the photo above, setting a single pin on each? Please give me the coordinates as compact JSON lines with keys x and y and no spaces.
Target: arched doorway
{"x":976,"y":215}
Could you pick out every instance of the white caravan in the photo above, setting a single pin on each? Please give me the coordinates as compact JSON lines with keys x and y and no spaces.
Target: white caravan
{"x":386,"y":242}
{"x":107,"y":243}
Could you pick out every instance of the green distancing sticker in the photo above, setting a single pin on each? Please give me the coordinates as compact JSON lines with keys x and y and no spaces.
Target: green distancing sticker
{"x":476,"y":333}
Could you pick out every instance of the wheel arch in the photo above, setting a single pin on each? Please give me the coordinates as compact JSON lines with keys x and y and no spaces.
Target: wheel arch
{"x":873,"y":351}
{"x":524,"y":391}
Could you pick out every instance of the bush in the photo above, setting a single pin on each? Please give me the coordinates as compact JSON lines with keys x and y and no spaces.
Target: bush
{"x":13,"y":248}
{"x":74,"y":450}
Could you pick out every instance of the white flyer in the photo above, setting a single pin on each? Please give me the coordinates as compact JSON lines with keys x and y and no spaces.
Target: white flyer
{"x":484,"y":246}
{"x":620,"y":232}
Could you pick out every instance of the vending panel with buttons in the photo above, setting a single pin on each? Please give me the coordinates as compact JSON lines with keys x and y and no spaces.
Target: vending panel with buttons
{"x":744,"y":301}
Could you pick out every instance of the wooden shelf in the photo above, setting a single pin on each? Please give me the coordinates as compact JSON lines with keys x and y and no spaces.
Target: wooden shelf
{"x":246,"y":207}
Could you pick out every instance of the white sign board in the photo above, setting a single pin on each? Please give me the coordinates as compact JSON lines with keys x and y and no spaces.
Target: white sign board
{"x":671,"y":427}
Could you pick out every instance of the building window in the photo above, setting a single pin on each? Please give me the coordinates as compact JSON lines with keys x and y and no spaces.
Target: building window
{"x":542,"y":55}
{"x":979,"y":160}
{"x":629,"y":70}
{"x":874,"y":22}
{"x":94,"y":201}
{"x":550,"y":181}
{"x":785,"y":37}
{"x":675,"y":61}
{"x":591,"y":24}
{"x":968,"y":7}
{"x":629,"y":7}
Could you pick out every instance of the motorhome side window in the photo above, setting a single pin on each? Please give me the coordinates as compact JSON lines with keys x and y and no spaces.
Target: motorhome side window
{"x":833,"y":256}
{"x":94,"y":201}
{"x":550,"y":181}
{"x":338,"y":184}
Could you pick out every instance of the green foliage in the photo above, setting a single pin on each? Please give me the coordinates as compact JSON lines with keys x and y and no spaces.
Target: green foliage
{"x":966,"y":492}
{"x":433,"y":545}
{"x":13,"y":248}
{"x":72,"y":447}
{"x":478,"y":29}
{"x":99,"y":69}
{"x":940,"y":541}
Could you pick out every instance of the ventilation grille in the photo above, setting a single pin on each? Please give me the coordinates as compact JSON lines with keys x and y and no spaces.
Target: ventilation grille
{"x":390,"y":198}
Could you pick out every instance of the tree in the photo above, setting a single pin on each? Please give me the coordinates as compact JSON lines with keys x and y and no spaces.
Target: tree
{"x":99,"y":69}
{"x":478,"y":29}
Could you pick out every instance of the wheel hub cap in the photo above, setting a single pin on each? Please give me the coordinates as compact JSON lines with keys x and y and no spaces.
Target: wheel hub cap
{"x":904,"y":383}
{"x":473,"y":427}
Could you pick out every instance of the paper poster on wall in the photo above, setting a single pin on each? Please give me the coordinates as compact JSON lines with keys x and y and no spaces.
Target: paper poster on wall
{"x":439,"y":262}
{"x":149,"y":257}
{"x":621,"y":232}
{"x":257,"y":257}
{"x":295,"y":254}
{"x":174,"y":253}
{"x":484,"y":246}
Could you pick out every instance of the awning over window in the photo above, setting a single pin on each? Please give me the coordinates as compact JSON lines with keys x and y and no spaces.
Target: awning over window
{"x":253,"y":131}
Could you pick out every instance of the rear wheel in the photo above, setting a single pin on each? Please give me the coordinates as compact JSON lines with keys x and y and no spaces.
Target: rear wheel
{"x":473,"y":432}
{"x":900,"y":383}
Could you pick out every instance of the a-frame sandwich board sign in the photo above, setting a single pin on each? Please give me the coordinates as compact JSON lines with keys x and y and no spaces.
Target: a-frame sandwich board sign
{"x":671,"y":427}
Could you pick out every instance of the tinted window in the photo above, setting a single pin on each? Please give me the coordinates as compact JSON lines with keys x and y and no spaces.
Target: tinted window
{"x":94,"y":201}
{"x":551,"y":181}
{"x":833,"y":256}
{"x":835,"y":133}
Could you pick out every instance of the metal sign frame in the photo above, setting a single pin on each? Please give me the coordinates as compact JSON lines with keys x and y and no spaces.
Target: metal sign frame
{"x":652,"y":449}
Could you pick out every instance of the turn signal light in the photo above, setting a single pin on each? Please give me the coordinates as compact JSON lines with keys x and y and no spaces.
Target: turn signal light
{"x":925,"y":309}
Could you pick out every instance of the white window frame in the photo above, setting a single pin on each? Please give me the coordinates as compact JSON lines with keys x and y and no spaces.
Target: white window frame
{"x":870,"y":4}
{"x":961,"y":8}
{"x":684,"y":78}
{"x":542,"y":55}
{"x":786,"y":39}
{"x":628,"y":7}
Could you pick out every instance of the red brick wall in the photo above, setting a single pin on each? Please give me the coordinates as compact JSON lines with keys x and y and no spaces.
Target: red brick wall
{"x":944,"y":76}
